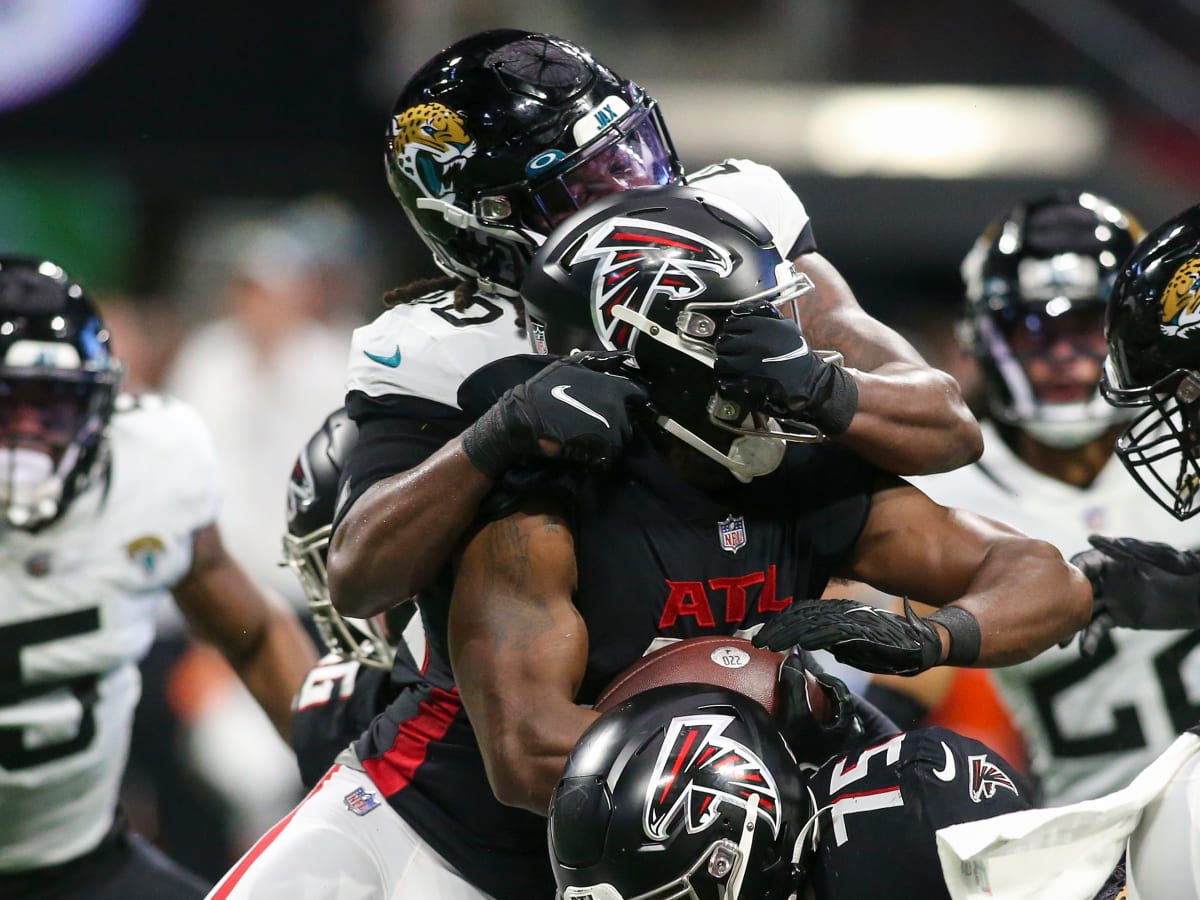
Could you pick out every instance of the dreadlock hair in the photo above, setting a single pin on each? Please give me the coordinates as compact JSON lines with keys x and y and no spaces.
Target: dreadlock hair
{"x":464,"y":294}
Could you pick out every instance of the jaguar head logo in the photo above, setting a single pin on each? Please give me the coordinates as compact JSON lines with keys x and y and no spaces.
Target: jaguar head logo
{"x":431,"y":145}
{"x":1181,"y":298}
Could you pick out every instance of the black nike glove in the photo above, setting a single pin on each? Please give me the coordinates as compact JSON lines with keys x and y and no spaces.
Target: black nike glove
{"x":579,"y":405}
{"x":860,"y":635}
{"x":1138,"y":584}
{"x":815,"y":737}
{"x":765,"y":364}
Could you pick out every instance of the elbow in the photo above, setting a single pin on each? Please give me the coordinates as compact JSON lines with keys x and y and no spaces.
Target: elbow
{"x":964,"y":438}
{"x":1068,"y":602}
{"x":351,"y":587}
{"x":511,"y":776}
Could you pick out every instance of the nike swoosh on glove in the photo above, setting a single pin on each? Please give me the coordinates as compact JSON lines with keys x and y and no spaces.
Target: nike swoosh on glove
{"x":1138,"y":584}
{"x":860,"y":635}
{"x":765,"y":365}
{"x":580,"y":404}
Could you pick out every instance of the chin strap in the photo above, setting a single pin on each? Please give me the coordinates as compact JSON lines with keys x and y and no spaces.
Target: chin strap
{"x":749,"y":456}
{"x":744,"y":844}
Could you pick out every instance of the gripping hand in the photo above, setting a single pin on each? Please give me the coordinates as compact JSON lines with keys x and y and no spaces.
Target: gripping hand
{"x":1138,"y":584}
{"x":860,"y":635}
{"x":765,"y":364}
{"x":816,"y":716}
{"x":576,"y":409}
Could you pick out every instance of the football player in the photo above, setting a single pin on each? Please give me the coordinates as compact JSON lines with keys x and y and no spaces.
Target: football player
{"x":1096,"y":712}
{"x":367,"y":663}
{"x":107,"y":506}
{"x":491,"y":143}
{"x":411,"y":803}
{"x":685,"y":790}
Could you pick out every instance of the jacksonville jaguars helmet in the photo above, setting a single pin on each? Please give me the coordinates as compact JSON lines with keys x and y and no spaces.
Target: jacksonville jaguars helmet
{"x":1038,"y":275}
{"x":58,"y":386}
{"x":681,"y":791}
{"x":311,"y":502}
{"x":656,"y":271}
{"x":505,"y":133}
{"x":1153,"y":365}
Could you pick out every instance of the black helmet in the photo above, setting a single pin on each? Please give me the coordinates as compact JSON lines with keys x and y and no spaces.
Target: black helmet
{"x":685,"y":790}
{"x":503,"y":134}
{"x":1041,"y":271}
{"x":1154,"y":362}
{"x":656,"y":271}
{"x":311,"y":503}
{"x":58,"y":387}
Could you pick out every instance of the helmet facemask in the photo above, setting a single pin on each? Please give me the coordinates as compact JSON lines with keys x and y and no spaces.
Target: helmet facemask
{"x":53,"y":413}
{"x":1007,"y":344}
{"x":358,"y":639}
{"x":1161,"y":446}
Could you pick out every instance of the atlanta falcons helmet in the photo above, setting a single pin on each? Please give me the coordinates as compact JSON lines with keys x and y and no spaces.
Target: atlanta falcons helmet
{"x":311,"y":503}
{"x":58,"y":386}
{"x":1040,"y":274}
{"x":684,"y":790}
{"x":503,"y":134}
{"x":656,"y":271}
{"x":1153,"y":365}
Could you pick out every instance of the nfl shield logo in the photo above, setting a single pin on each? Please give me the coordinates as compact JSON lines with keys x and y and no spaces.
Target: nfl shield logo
{"x":360,"y":801}
{"x":733,"y":533}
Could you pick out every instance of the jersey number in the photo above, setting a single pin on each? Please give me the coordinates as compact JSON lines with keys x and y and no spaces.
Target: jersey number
{"x":14,"y":638}
{"x":479,"y":312}
{"x":1126,"y":732}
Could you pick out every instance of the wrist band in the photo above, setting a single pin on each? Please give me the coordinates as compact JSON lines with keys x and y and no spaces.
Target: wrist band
{"x":965,"y":638}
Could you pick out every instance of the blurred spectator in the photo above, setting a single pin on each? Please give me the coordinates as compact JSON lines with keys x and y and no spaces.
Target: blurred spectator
{"x":262,"y":373}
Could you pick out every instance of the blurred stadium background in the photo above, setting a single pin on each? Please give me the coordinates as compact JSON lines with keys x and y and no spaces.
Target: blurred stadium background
{"x":213,"y":172}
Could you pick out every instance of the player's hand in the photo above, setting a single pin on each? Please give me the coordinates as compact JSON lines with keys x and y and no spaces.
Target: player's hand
{"x":1138,"y":584}
{"x":860,"y":635}
{"x":816,"y":716}
{"x":765,"y":364}
{"x":576,"y":409}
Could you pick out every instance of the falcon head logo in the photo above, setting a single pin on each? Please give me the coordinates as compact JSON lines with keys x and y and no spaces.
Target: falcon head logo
{"x":302,"y":490}
{"x":636,"y":262}
{"x":698,"y":770}
{"x":986,"y":777}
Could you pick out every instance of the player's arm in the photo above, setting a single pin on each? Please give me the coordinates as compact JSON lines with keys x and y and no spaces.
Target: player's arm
{"x":519,"y":648}
{"x":258,"y":633}
{"x":396,"y":536}
{"x":910,"y":419}
{"x":1004,"y":596}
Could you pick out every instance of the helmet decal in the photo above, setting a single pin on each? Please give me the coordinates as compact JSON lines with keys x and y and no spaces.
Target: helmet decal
{"x":698,"y":769}
{"x":1181,"y":299}
{"x":301,"y":489}
{"x":431,"y":145}
{"x":639,"y":260}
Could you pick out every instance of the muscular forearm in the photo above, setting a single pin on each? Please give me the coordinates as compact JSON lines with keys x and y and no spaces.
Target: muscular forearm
{"x":275,"y":667}
{"x":912,"y":420}
{"x":398,"y":534}
{"x":1026,"y":598}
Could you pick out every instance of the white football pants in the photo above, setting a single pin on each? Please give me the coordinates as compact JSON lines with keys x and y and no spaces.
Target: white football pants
{"x":337,"y":845}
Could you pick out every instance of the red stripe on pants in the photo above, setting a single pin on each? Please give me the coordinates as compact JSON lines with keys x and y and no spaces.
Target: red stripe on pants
{"x":231,"y":880}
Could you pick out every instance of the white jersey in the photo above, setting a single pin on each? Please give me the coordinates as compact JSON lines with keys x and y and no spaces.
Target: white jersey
{"x":427,"y":348}
{"x":1090,"y":724}
{"x":77,"y":610}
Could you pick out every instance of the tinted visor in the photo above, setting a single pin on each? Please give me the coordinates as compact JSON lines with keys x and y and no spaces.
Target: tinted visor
{"x":1039,"y":330}
{"x":46,"y":411}
{"x":634,"y":152}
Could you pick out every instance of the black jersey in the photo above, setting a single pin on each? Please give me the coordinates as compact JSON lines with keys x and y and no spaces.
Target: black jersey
{"x":657,"y":559}
{"x":879,"y":809}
